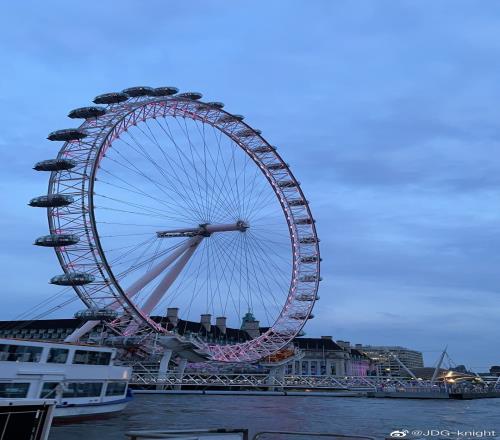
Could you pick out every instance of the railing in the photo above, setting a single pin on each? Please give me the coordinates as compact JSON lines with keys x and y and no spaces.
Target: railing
{"x":417,"y":389}
{"x":263,"y":434}
{"x":25,"y":419}
{"x":233,"y":434}
{"x":189,"y":434}
{"x":172,"y":380}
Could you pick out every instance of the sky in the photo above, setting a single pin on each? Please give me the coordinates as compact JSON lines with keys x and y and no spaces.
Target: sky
{"x":387,"y":111}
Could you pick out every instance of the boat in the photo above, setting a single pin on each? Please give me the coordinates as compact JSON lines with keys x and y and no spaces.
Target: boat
{"x":234,"y":434}
{"x":26,"y":419}
{"x":83,"y":380}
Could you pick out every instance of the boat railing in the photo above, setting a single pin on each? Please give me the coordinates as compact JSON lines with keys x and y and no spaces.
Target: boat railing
{"x":289,"y":434}
{"x":25,"y":418}
{"x":236,"y":434}
{"x":190,"y":434}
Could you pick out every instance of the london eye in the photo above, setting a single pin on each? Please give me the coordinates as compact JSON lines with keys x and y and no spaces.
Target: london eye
{"x":159,"y":200}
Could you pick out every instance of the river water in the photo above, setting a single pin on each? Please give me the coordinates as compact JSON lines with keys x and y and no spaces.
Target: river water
{"x":345,"y":415}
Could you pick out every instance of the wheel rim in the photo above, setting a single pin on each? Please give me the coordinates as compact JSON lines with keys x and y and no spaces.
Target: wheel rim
{"x":90,"y":253}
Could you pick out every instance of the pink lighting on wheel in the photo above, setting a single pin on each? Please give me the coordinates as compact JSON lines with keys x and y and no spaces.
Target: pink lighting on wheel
{"x":90,"y":155}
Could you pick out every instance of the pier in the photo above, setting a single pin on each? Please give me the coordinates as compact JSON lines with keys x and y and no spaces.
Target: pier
{"x":347,"y":386}
{"x":255,"y":382}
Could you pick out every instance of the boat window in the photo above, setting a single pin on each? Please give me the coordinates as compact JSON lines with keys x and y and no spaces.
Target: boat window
{"x":82,"y":389}
{"x":92,"y":357}
{"x":58,"y":355}
{"x":14,"y":390}
{"x":20,"y":353}
{"x":116,"y":388}
{"x":49,"y":390}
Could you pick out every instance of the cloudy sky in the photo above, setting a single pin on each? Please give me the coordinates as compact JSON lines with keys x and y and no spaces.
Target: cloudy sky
{"x":388,"y":112}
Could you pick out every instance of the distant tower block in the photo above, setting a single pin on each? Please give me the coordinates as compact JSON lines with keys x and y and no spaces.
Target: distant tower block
{"x":220,"y":322}
{"x":205,"y":320}
{"x":250,"y":325}
{"x":173,"y":315}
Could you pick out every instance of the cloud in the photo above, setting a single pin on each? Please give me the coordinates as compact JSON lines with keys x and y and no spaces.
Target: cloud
{"x":388,"y":113}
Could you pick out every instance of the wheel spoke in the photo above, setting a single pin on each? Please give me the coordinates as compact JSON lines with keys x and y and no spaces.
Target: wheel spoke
{"x":177,"y":204}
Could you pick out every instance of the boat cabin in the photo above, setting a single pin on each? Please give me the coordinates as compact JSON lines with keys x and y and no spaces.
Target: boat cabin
{"x":70,"y":373}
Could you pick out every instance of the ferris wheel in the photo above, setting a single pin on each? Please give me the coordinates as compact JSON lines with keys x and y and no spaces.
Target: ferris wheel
{"x":159,"y":200}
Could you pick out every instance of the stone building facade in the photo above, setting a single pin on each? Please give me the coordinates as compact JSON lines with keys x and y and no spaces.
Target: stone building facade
{"x":325,"y":357}
{"x":321,"y":356}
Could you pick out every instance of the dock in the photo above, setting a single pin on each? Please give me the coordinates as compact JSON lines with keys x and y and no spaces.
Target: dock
{"x":437,"y":394}
{"x":317,"y":393}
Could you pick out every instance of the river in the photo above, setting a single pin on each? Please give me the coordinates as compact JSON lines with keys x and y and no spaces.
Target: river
{"x":346,"y":415}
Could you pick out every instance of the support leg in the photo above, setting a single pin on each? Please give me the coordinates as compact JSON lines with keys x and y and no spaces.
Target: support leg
{"x":136,"y":287}
{"x":79,"y":332}
{"x":169,"y":278}
{"x":180,"y":372}
{"x":162,"y":371}
{"x":159,"y":268}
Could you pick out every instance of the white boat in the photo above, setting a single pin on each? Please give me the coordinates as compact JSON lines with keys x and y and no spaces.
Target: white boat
{"x":82,"y":379}
{"x":234,"y":434}
{"x":25,"y":419}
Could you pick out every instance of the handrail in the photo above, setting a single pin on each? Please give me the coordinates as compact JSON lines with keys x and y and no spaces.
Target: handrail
{"x":171,"y":434}
{"x":174,"y":433}
{"x":312,"y":434}
{"x":260,"y":379}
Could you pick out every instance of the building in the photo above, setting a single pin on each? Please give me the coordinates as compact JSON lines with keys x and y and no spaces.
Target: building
{"x":323,"y":356}
{"x":385,"y":359}
{"x":495,"y":370}
{"x":318,"y":356}
{"x":45,"y":329}
{"x":360,"y":364}
{"x":58,"y":329}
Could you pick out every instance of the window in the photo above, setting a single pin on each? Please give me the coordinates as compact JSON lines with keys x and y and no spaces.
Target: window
{"x":314,"y":367}
{"x":82,"y":389}
{"x":20,"y":353}
{"x":322,"y":368}
{"x":58,"y":355}
{"x":92,"y":357}
{"x":14,"y":390}
{"x":333,"y":370}
{"x":49,"y":390}
{"x":116,"y":388}
{"x":305,"y":366}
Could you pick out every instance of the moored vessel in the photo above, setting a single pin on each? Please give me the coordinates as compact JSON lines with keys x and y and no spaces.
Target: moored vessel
{"x":82,"y":379}
{"x":26,"y":419}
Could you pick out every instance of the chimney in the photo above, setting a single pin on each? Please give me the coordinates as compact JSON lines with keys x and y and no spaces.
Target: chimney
{"x":173,"y":315}
{"x":205,"y":320}
{"x":330,"y":338}
{"x":346,"y":345}
{"x":220,"y":322}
